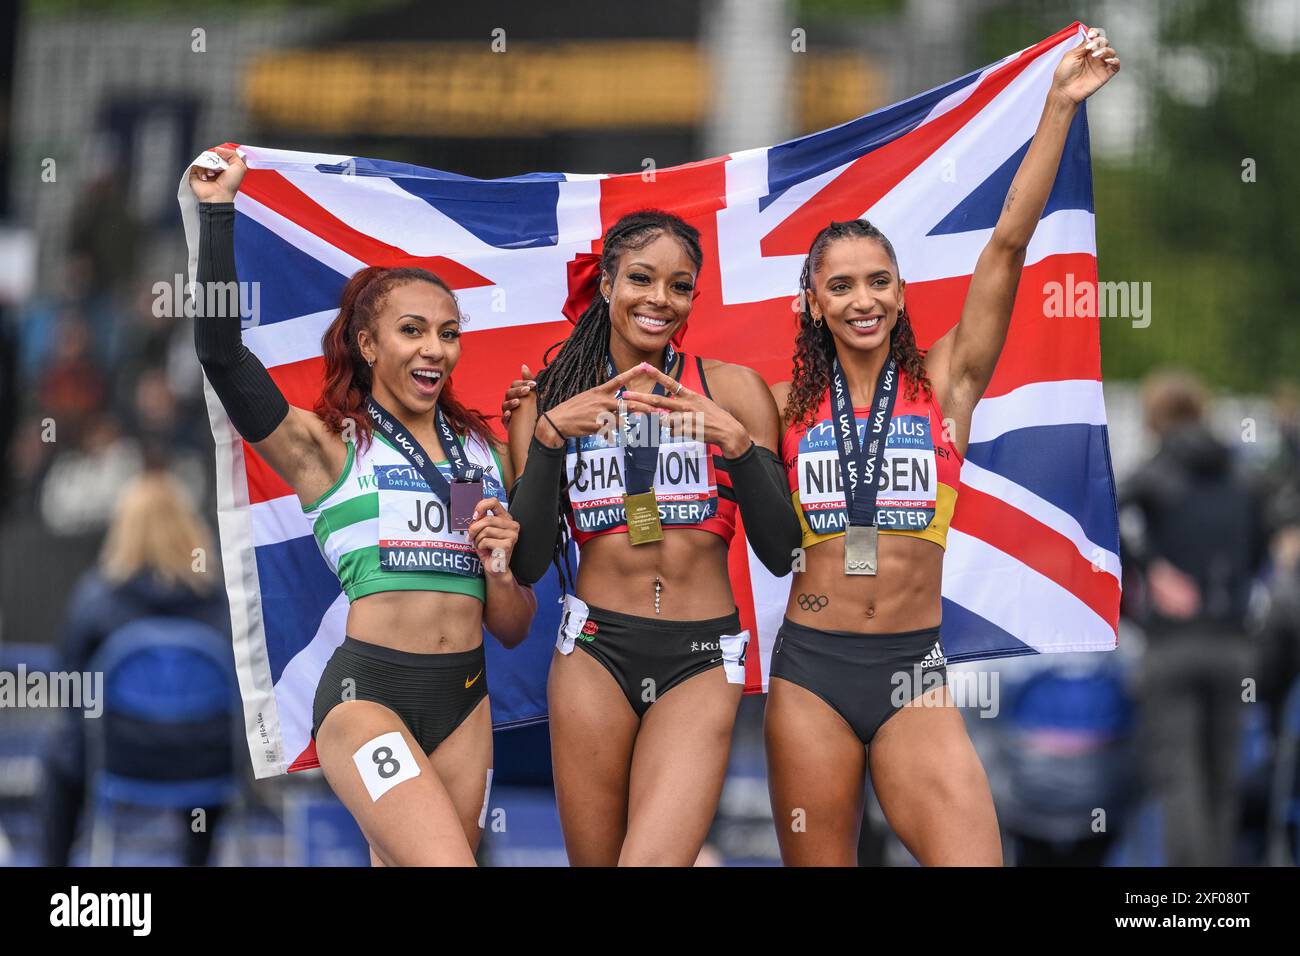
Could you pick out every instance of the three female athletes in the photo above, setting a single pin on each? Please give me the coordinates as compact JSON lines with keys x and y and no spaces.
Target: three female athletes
{"x":641,"y":720}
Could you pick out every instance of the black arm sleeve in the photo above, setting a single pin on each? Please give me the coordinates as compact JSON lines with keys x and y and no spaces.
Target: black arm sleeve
{"x":771,"y":525}
{"x":535,"y":504}
{"x":251,"y":399}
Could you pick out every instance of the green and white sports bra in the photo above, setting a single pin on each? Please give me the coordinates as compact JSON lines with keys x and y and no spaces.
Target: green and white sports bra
{"x":381,"y":528}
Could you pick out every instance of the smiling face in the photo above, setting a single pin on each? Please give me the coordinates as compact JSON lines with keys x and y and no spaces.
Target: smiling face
{"x":856,"y":290}
{"x":414,"y":343}
{"x":650,"y":296}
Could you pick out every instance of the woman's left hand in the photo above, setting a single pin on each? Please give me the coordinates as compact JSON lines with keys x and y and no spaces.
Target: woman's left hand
{"x":695,"y":414}
{"x":493,"y":535}
{"x":1086,"y":68}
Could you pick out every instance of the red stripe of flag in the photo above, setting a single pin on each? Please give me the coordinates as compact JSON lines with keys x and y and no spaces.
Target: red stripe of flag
{"x":1038,"y":547}
{"x":1038,"y":348}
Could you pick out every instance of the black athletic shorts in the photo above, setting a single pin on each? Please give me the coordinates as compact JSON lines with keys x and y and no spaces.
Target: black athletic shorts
{"x":431,"y":693}
{"x":864,"y":678}
{"x":649,"y":657}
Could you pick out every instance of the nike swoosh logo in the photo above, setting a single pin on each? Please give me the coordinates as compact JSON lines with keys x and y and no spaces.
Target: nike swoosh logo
{"x":469,"y":681}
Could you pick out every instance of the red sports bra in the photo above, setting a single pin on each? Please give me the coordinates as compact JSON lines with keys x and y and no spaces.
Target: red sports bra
{"x":691,"y":483}
{"x":919,"y":480}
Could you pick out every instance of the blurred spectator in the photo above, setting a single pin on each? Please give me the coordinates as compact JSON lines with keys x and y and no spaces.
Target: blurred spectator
{"x":1279,"y":666}
{"x":8,"y":399}
{"x":103,"y":230}
{"x":146,"y":569}
{"x":1064,"y":750}
{"x":71,"y":386}
{"x":1193,"y":537}
{"x":29,"y":459}
{"x":81,"y":485}
{"x":1281,"y":479}
{"x":39,"y":319}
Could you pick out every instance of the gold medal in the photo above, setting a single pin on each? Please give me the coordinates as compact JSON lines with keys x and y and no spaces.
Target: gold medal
{"x":643,"y":518}
{"x":860,"y":549}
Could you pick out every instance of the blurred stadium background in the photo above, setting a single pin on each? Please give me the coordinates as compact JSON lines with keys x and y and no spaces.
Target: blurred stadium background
{"x":1197,"y":194}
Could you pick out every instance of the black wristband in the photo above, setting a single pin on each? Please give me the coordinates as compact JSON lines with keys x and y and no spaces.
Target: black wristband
{"x":556,"y":428}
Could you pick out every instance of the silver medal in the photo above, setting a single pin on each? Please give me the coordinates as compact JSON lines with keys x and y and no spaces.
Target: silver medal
{"x":860,"y":549}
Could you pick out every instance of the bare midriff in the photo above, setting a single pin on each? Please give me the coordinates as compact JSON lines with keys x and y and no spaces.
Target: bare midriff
{"x":902,"y":596}
{"x":419,"y":622}
{"x":690,"y":566}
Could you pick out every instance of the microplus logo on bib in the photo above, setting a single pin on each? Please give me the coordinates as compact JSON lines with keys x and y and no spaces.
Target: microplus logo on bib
{"x":75,"y":908}
{"x":908,"y":481}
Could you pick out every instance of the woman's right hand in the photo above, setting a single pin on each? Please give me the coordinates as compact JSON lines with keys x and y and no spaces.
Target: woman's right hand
{"x":218,"y":185}
{"x":588,"y":412}
{"x":518,"y":389}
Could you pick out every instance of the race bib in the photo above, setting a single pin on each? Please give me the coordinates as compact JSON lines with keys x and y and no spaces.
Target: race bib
{"x":909,"y":479}
{"x":685,"y":487}
{"x":415,"y":524}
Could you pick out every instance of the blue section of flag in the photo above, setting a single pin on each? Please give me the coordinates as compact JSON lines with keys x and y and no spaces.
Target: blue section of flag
{"x":517,"y":676}
{"x":1072,"y":189}
{"x":1067,"y":465}
{"x":297,"y":588}
{"x":800,"y":159}
{"x":291,"y":283}
{"x":518,"y":212}
{"x":968,"y":636}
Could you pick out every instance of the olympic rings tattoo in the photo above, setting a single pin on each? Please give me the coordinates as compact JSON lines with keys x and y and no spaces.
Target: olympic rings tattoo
{"x":813,"y":602}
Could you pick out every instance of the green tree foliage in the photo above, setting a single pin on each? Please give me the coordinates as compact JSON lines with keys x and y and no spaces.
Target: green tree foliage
{"x":1220,"y":253}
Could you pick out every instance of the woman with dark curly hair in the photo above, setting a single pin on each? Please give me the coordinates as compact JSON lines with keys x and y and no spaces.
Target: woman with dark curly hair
{"x":641,"y":717}
{"x":875,"y":435}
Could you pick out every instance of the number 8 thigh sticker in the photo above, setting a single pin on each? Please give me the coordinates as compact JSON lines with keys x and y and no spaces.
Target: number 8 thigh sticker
{"x":384,"y":762}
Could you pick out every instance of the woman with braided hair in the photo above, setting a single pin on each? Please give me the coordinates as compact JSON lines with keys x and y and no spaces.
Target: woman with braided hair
{"x":875,"y":436}
{"x":648,"y":452}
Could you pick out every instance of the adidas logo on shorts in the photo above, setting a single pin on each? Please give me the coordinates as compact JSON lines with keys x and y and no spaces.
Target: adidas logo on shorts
{"x":935,"y":658}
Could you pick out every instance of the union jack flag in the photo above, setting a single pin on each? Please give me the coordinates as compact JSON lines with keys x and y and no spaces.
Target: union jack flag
{"x":1032,"y":564}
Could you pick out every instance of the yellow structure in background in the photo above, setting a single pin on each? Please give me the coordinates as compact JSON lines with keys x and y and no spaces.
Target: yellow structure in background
{"x":463,"y":89}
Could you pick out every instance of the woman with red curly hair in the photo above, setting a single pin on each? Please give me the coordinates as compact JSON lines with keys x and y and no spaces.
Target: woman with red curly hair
{"x":404,"y":488}
{"x":875,"y":435}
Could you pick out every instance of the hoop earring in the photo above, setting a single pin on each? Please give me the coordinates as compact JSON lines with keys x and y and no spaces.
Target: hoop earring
{"x":817,"y":322}
{"x":370,"y":363}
